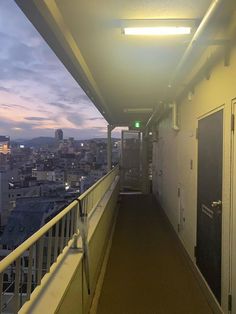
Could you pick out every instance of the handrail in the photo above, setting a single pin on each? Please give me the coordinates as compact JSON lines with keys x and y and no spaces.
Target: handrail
{"x":9,"y":259}
{"x":97,"y":183}
{"x":87,"y":203}
{"x":66,"y":226}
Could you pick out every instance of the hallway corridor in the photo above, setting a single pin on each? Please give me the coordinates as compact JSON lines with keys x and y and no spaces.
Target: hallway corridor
{"x":146,"y":271}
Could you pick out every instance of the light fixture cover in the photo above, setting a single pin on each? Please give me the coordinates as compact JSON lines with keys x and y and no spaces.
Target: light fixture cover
{"x":138,"y":110}
{"x":157,"y":31}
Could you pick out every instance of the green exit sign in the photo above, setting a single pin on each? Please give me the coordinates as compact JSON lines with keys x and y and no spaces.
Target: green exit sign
{"x":137,"y":124}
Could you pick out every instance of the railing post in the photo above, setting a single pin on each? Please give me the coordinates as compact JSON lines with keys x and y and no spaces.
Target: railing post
{"x":62,"y":239}
{"x":39,"y":259}
{"x":17,"y":285}
{"x":109,"y":147}
{"x":83,"y":228}
{"x":75,"y":226}
{"x":1,"y":290}
{"x":67,"y":226}
{"x":29,"y":275}
{"x":56,"y":239}
{"x":49,"y":250}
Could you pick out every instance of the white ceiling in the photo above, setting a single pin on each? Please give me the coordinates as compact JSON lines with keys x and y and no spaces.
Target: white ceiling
{"x":116,"y":71}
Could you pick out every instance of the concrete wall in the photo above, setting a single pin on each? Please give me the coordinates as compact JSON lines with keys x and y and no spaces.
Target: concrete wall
{"x":174,"y":152}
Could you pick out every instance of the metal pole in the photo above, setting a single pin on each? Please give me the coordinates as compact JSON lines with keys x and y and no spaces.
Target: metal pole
{"x":83,"y":229}
{"x":109,"y":147}
{"x":17,"y":286}
{"x":1,"y":291}
{"x":144,"y":160}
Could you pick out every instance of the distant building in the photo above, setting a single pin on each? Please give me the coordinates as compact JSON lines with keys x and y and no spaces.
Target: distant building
{"x":87,"y":181}
{"x":4,"y":199}
{"x":43,"y":175}
{"x":4,"y":144}
{"x":56,"y":175}
{"x":59,"y":135}
{"x":73,"y":179}
{"x":27,"y":217}
{"x":24,"y":220}
{"x":4,"y":161}
{"x":67,"y":146}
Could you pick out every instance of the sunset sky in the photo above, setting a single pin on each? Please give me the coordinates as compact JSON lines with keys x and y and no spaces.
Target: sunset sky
{"x":37,"y":94}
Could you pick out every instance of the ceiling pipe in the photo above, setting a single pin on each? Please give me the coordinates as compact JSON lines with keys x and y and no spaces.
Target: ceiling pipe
{"x":201,"y":28}
{"x":161,"y":111}
{"x":175,"y":125}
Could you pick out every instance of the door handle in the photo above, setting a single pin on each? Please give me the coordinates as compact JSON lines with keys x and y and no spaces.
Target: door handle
{"x":216,"y":203}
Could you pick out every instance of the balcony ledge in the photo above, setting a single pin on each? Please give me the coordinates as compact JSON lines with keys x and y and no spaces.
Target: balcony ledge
{"x":66,"y":276}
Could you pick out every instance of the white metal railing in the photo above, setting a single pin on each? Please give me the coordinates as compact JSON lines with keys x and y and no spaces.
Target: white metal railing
{"x":42,"y":249}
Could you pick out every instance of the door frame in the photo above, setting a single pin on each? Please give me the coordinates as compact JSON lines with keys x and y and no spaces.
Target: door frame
{"x":228,"y":235}
{"x":232,"y":246}
{"x":210,"y":112}
{"x":199,"y":118}
{"x":224,"y":277}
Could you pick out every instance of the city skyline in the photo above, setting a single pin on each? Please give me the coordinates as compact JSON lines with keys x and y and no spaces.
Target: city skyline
{"x":37,"y":94}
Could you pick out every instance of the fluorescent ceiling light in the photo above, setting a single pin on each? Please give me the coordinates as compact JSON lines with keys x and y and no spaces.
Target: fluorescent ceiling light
{"x":138,"y":110}
{"x":157,"y":31}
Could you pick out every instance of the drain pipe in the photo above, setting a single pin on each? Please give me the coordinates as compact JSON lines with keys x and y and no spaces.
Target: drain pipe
{"x":175,"y":125}
{"x":201,"y":28}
